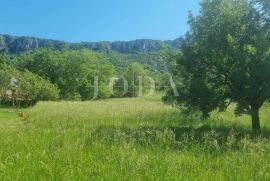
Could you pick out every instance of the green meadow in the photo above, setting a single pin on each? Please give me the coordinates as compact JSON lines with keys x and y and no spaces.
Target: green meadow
{"x":129,"y":139}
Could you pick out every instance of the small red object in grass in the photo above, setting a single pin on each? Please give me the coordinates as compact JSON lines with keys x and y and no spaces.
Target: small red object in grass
{"x":21,"y":114}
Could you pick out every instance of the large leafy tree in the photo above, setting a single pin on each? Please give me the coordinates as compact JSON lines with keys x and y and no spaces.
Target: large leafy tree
{"x":26,"y":85}
{"x":94,"y":71}
{"x":138,"y":82}
{"x":80,"y":70}
{"x":226,"y":58}
{"x":34,"y":88}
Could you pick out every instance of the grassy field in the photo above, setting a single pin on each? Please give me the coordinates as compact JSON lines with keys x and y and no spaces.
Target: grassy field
{"x":129,"y":139}
{"x":9,"y":117}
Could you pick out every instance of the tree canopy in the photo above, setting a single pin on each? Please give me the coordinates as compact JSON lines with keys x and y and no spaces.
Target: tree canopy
{"x":73,"y":72}
{"x":226,"y":58}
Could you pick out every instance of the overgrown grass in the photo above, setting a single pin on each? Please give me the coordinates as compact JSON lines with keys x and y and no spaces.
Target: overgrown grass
{"x":131,"y":139}
{"x":9,"y":115}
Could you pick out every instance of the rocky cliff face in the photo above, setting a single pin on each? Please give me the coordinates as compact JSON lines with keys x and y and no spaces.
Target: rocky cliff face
{"x":3,"y":45}
{"x":14,"y":44}
{"x":137,"y":45}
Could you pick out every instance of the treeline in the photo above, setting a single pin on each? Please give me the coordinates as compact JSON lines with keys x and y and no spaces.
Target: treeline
{"x":23,"y":86}
{"x":71,"y":75}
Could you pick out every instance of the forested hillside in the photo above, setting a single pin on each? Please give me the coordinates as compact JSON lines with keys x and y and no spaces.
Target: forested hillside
{"x":121,"y":53}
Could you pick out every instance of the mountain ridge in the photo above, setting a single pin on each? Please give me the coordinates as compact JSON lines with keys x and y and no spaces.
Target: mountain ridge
{"x":18,"y":44}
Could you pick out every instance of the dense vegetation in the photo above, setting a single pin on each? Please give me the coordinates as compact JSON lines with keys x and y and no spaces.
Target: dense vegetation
{"x":17,"y":85}
{"x":78,"y":74}
{"x":75,"y":69}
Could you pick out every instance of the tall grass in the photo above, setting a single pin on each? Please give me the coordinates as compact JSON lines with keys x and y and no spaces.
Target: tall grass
{"x":131,"y":139}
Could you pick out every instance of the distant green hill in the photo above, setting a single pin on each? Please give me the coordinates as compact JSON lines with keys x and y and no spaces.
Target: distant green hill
{"x":121,"y":53}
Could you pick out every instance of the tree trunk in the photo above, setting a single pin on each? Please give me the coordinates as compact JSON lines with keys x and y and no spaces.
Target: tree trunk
{"x":13,"y":102}
{"x":256,"y":126}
